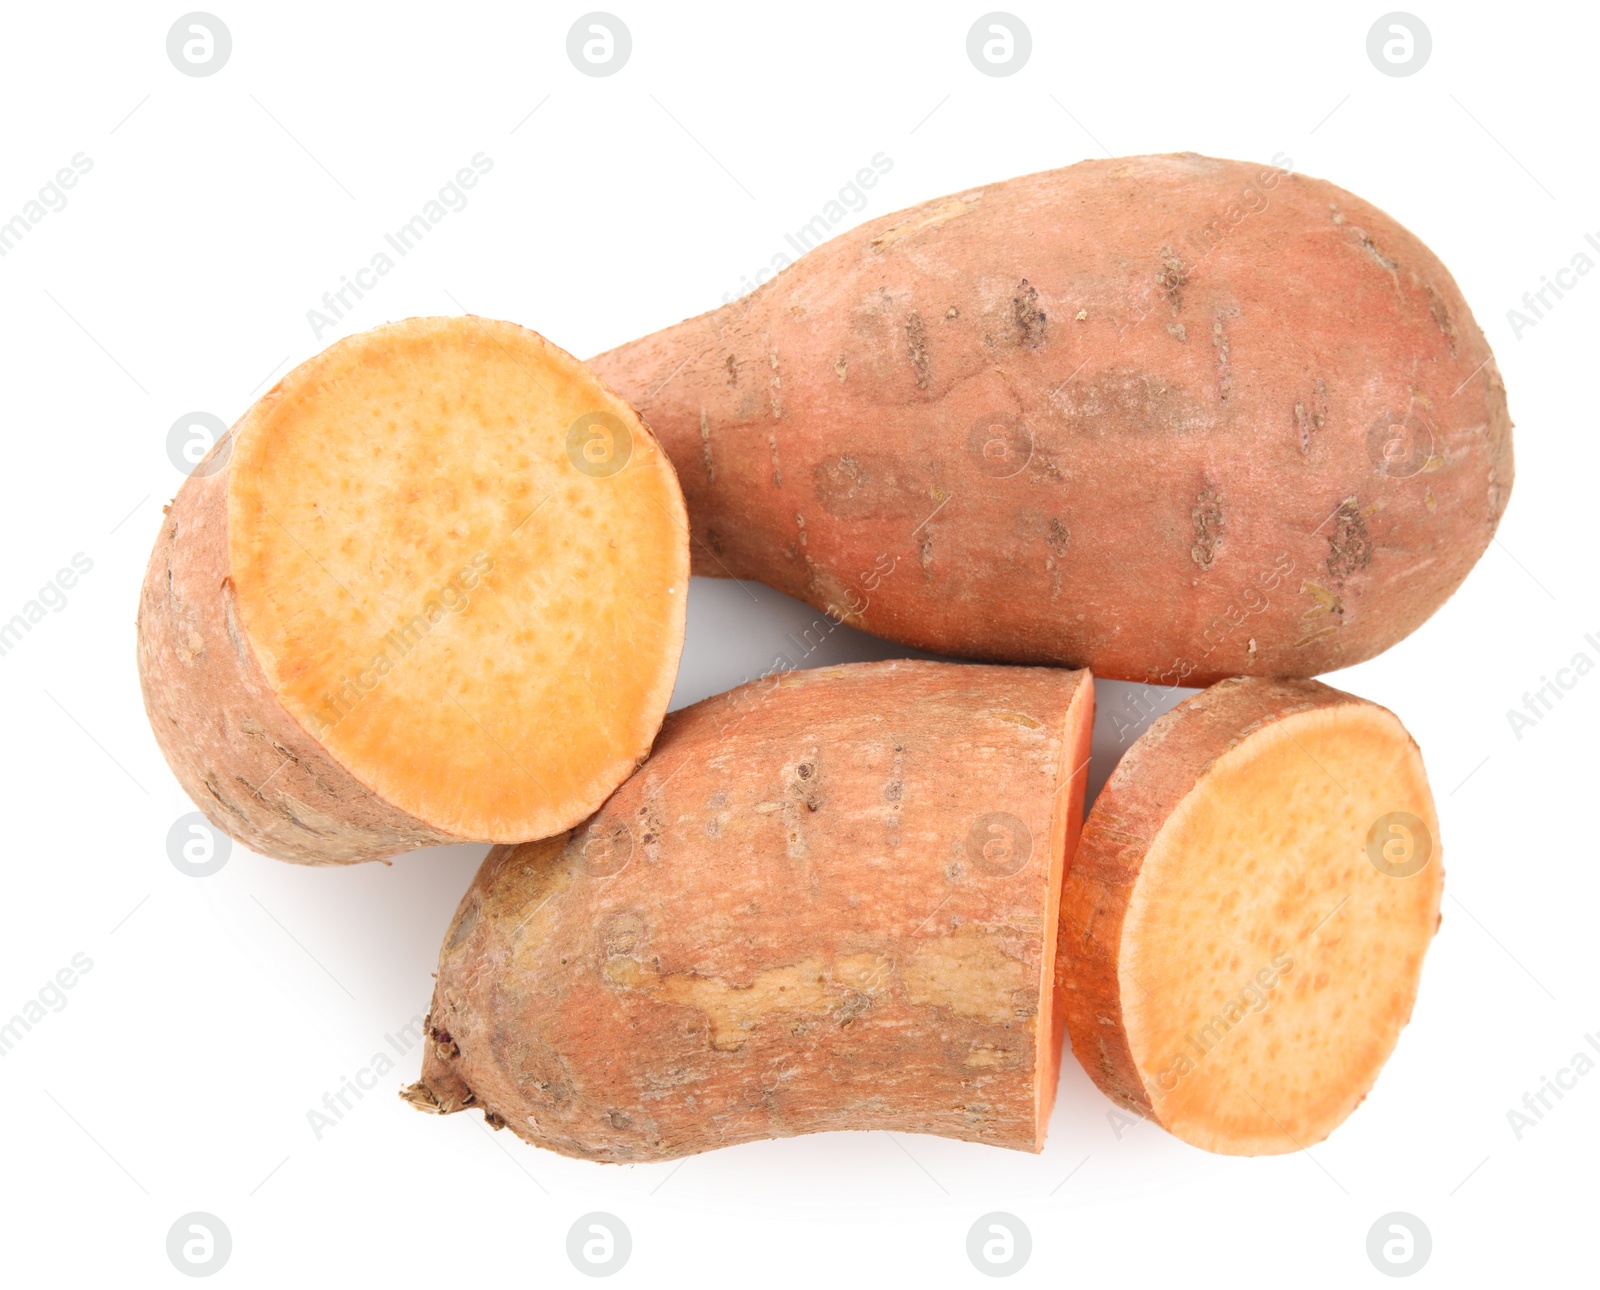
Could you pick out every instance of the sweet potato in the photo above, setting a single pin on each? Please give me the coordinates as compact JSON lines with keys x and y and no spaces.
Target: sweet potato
{"x":827,"y":901}
{"x":429,"y":588}
{"x":1164,"y":417}
{"x":1244,"y":921}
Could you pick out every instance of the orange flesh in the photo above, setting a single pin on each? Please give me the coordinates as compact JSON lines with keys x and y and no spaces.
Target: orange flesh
{"x":1264,"y":869}
{"x":481,"y":633}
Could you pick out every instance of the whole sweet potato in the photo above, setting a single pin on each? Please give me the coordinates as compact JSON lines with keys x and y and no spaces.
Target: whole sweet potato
{"x":1166,"y":417}
{"x":827,"y":901}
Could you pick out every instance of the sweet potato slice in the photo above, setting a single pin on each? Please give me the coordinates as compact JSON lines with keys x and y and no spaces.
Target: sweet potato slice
{"x":430,"y":588}
{"x":1244,"y":921}
{"x":828,"y":901}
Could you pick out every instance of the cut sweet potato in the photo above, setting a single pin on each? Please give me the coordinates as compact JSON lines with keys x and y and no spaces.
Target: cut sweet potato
{"x":828,"y":901}
{"x":430,"y":588}
{"x":1244,"y":921}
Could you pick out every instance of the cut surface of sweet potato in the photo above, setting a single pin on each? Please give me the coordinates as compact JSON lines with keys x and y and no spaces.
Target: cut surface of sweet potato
{"x":1244,"y":923}
{"x":827,"y":901}
{"x":453,"y":560}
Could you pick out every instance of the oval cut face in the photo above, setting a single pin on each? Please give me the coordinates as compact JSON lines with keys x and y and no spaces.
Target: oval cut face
{"x":461,"y":563}
{"x":1274,"y":941}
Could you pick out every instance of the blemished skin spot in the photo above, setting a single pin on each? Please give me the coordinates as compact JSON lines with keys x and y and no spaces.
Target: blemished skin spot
{"x":1349,"y":544}
{"x":969,"y":973}
{"x":845,"y":987}
{"x":1031,"y":320}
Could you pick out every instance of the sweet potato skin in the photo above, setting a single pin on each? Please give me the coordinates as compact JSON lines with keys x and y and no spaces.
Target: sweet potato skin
{"x":253,"y":770}
{"x":824,"y":903}
{"x":1170,"y":418}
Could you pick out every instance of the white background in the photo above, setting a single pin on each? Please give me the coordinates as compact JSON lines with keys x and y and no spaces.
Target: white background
{"x":218,"y":1011}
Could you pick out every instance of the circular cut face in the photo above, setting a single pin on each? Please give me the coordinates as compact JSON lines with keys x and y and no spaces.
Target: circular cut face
{"x":1273,"y":943}
{"x":461,"y":563}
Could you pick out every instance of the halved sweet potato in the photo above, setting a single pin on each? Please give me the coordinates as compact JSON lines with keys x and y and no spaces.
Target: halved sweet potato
{"x":827,"y":901}
{"x":1243,"y":924}
{"x":429,"y":588}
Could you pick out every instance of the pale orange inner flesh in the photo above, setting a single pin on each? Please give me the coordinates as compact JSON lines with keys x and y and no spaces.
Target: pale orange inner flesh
{"x":479,"y":631}
{"x":1267,"y":964}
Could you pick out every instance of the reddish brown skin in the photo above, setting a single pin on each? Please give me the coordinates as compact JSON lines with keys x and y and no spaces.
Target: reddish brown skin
{"x":250,"y":767}
{"x":1243,"y":424}
{"x":823,"y":818}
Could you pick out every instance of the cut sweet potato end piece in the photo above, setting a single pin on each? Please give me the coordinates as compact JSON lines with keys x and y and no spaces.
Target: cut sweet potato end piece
{"x":1267,"y":964}
{"x":844,"y":875}
{"x":482,"y":632}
